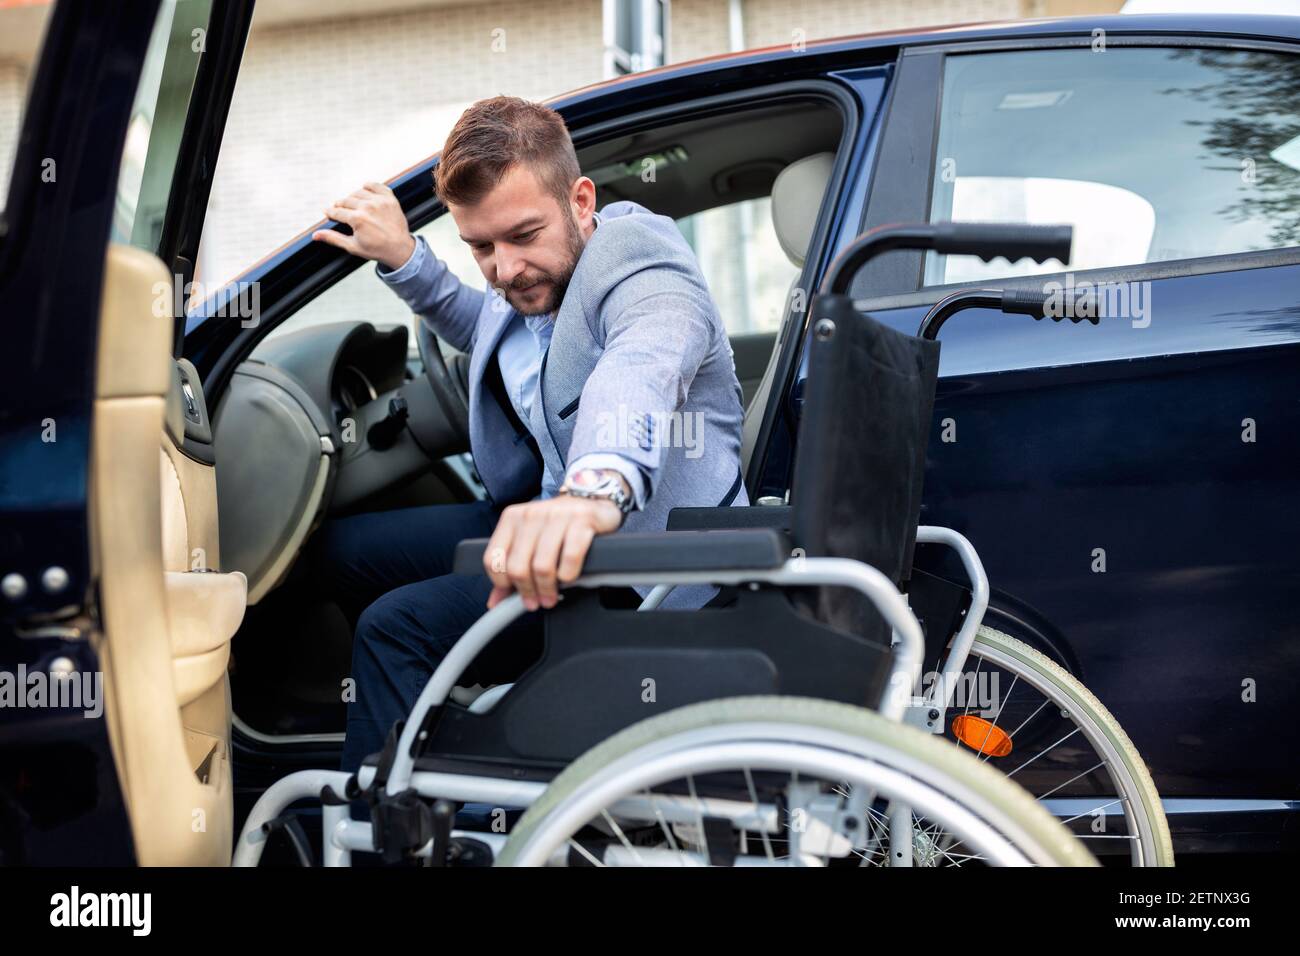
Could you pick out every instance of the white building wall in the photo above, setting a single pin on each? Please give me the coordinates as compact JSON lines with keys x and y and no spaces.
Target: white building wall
{"x":322,"y":107}
{"x":772,"y":22}
{"x":13,"y":90}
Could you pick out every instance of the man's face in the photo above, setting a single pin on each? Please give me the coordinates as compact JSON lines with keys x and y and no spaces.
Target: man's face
{"x":526,"y":242}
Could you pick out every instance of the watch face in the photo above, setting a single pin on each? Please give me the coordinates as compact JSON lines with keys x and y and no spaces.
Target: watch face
{"x":586,"y":478}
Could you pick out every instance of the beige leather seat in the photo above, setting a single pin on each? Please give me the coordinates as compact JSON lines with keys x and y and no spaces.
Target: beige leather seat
{"x":167,"y":620}
{"x":797,"y":197}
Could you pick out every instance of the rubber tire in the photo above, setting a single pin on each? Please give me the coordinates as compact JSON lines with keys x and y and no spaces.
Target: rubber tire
{"x":1057,"y":841}
{"x":1084,"y":700}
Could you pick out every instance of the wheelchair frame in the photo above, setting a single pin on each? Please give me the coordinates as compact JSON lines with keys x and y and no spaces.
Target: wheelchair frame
{"x":343,"y":835}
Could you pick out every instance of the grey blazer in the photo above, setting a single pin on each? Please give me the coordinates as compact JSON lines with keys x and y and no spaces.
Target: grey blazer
{"x":639,"y":365}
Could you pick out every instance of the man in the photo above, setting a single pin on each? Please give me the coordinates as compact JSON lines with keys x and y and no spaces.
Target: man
{"x":603,"y":393}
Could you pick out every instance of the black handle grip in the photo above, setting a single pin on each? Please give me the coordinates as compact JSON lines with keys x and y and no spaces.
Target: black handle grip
{"x":1023,"y":302}
{"x":1014,"y":240}
{"x":988,"y":240}
{"x":1075,"y":305}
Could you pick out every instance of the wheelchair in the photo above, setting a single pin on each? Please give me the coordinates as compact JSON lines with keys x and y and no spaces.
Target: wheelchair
{"x":780,"y":724}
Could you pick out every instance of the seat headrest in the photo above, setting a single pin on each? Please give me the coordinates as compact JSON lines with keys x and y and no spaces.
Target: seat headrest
{"x":796,"y":198}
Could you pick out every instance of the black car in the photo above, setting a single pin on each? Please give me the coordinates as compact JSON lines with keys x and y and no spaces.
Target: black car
{"x":1131,"y":485}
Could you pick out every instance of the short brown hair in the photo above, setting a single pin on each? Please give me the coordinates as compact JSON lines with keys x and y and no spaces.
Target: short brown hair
{"x":496,"y":134}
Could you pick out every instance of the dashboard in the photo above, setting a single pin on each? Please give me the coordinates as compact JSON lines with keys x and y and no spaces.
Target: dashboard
{"x":350,"y":390}
{"x":316,"y":422}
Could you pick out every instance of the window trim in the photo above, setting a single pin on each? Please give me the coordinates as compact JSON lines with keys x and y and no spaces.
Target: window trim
{"x":907,"y":267}
{"x":1147,"y":271}
{"x":908,"y":139}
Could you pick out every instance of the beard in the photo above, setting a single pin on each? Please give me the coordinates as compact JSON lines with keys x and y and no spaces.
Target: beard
{"x":557,"y":282}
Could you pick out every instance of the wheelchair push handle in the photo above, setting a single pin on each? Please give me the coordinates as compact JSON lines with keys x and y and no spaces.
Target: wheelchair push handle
{"x":1014,"y":240}
{"x":1075,"y":305}
{"x":988,"y":240}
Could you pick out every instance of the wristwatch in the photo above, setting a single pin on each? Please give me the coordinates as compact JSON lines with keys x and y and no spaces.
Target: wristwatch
{"x":599,"y":483}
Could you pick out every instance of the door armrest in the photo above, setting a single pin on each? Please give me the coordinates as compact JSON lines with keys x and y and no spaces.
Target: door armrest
{"x":204,"y":609}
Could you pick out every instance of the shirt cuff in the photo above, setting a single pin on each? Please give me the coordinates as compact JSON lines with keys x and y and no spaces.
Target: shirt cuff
{"x":630,"y":471}
{"x":408,"y":268}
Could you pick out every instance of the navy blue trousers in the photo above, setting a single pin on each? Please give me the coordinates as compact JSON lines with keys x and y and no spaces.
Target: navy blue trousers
{"x":390,"y":571}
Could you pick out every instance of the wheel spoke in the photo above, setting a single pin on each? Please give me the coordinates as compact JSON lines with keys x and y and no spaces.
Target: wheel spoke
{"x":1041,"y":752}
{"x":663,"y":825}
{"x":996,"y":717}
{"x":1078,"y":776}
{"x":583,"y":850}
{"x":753,"y":795}
{"x":1036,"y":712}
{"x":699,"y":819}
{"x":979,"y":662}
{"x":1088,"y":813}
{"x":618,"y":832}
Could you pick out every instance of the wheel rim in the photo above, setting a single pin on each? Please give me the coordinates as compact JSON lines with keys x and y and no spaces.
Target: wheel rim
{"x":1078,"y":788}
{"x":618,"y":801}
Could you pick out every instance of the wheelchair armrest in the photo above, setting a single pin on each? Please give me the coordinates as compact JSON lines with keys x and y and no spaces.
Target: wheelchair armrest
{"x":751,"y":516}
{"x":633,"y":552}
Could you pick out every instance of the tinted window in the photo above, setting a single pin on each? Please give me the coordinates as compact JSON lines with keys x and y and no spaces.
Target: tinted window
{"x":158,"y":115}
{"x":1152,"y":154}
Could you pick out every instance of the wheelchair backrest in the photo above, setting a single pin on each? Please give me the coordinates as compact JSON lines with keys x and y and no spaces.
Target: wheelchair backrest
{"x":860,"y":453}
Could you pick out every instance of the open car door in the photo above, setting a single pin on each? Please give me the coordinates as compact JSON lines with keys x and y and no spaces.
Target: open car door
{"x":107,"y":481}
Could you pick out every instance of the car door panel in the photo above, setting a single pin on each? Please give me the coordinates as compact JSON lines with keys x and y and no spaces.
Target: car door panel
{"x":1122,"y":482}
{"x":164,"y":640}
{"x":150,"y":782}
{"x":1115,"y":504}
{"x":51,"y":274}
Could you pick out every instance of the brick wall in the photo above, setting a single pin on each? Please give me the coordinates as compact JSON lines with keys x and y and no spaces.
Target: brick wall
{"x":771,"y":22}
{"x":322,"y":107}
{"x":13,"y":89}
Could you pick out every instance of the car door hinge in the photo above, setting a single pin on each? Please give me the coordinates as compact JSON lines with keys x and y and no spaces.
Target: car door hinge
{"x":66,"y":624}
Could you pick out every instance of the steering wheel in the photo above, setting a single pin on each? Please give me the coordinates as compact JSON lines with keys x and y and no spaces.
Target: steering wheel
{"x":448,"y":389}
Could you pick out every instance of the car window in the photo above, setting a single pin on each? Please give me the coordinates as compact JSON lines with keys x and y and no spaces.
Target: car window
{"x":742,"y":261}
{"x":1152,"y":154}
{"x":23,"y":28}
{"x":736,"y":244}
{"x":153,"y":138}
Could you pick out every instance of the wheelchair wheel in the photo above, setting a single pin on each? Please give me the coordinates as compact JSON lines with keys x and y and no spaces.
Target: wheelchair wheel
{"x":781,"y":781}
{"x":1062,"y":746}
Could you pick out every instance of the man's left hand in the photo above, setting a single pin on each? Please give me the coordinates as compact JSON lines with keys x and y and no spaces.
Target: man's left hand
{"x":541,"y":544}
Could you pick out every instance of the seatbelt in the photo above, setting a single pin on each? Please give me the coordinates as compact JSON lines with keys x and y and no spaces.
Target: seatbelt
{"x":735,"y":490}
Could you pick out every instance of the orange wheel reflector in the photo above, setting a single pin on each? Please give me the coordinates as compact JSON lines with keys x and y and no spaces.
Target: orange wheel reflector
{"x":979,"y":734}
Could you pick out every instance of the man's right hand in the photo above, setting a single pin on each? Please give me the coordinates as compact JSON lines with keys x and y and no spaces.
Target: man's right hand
{"x":378,"y":224}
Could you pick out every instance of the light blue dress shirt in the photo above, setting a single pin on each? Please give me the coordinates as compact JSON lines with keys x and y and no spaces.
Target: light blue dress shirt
{"x":519,"y":356}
